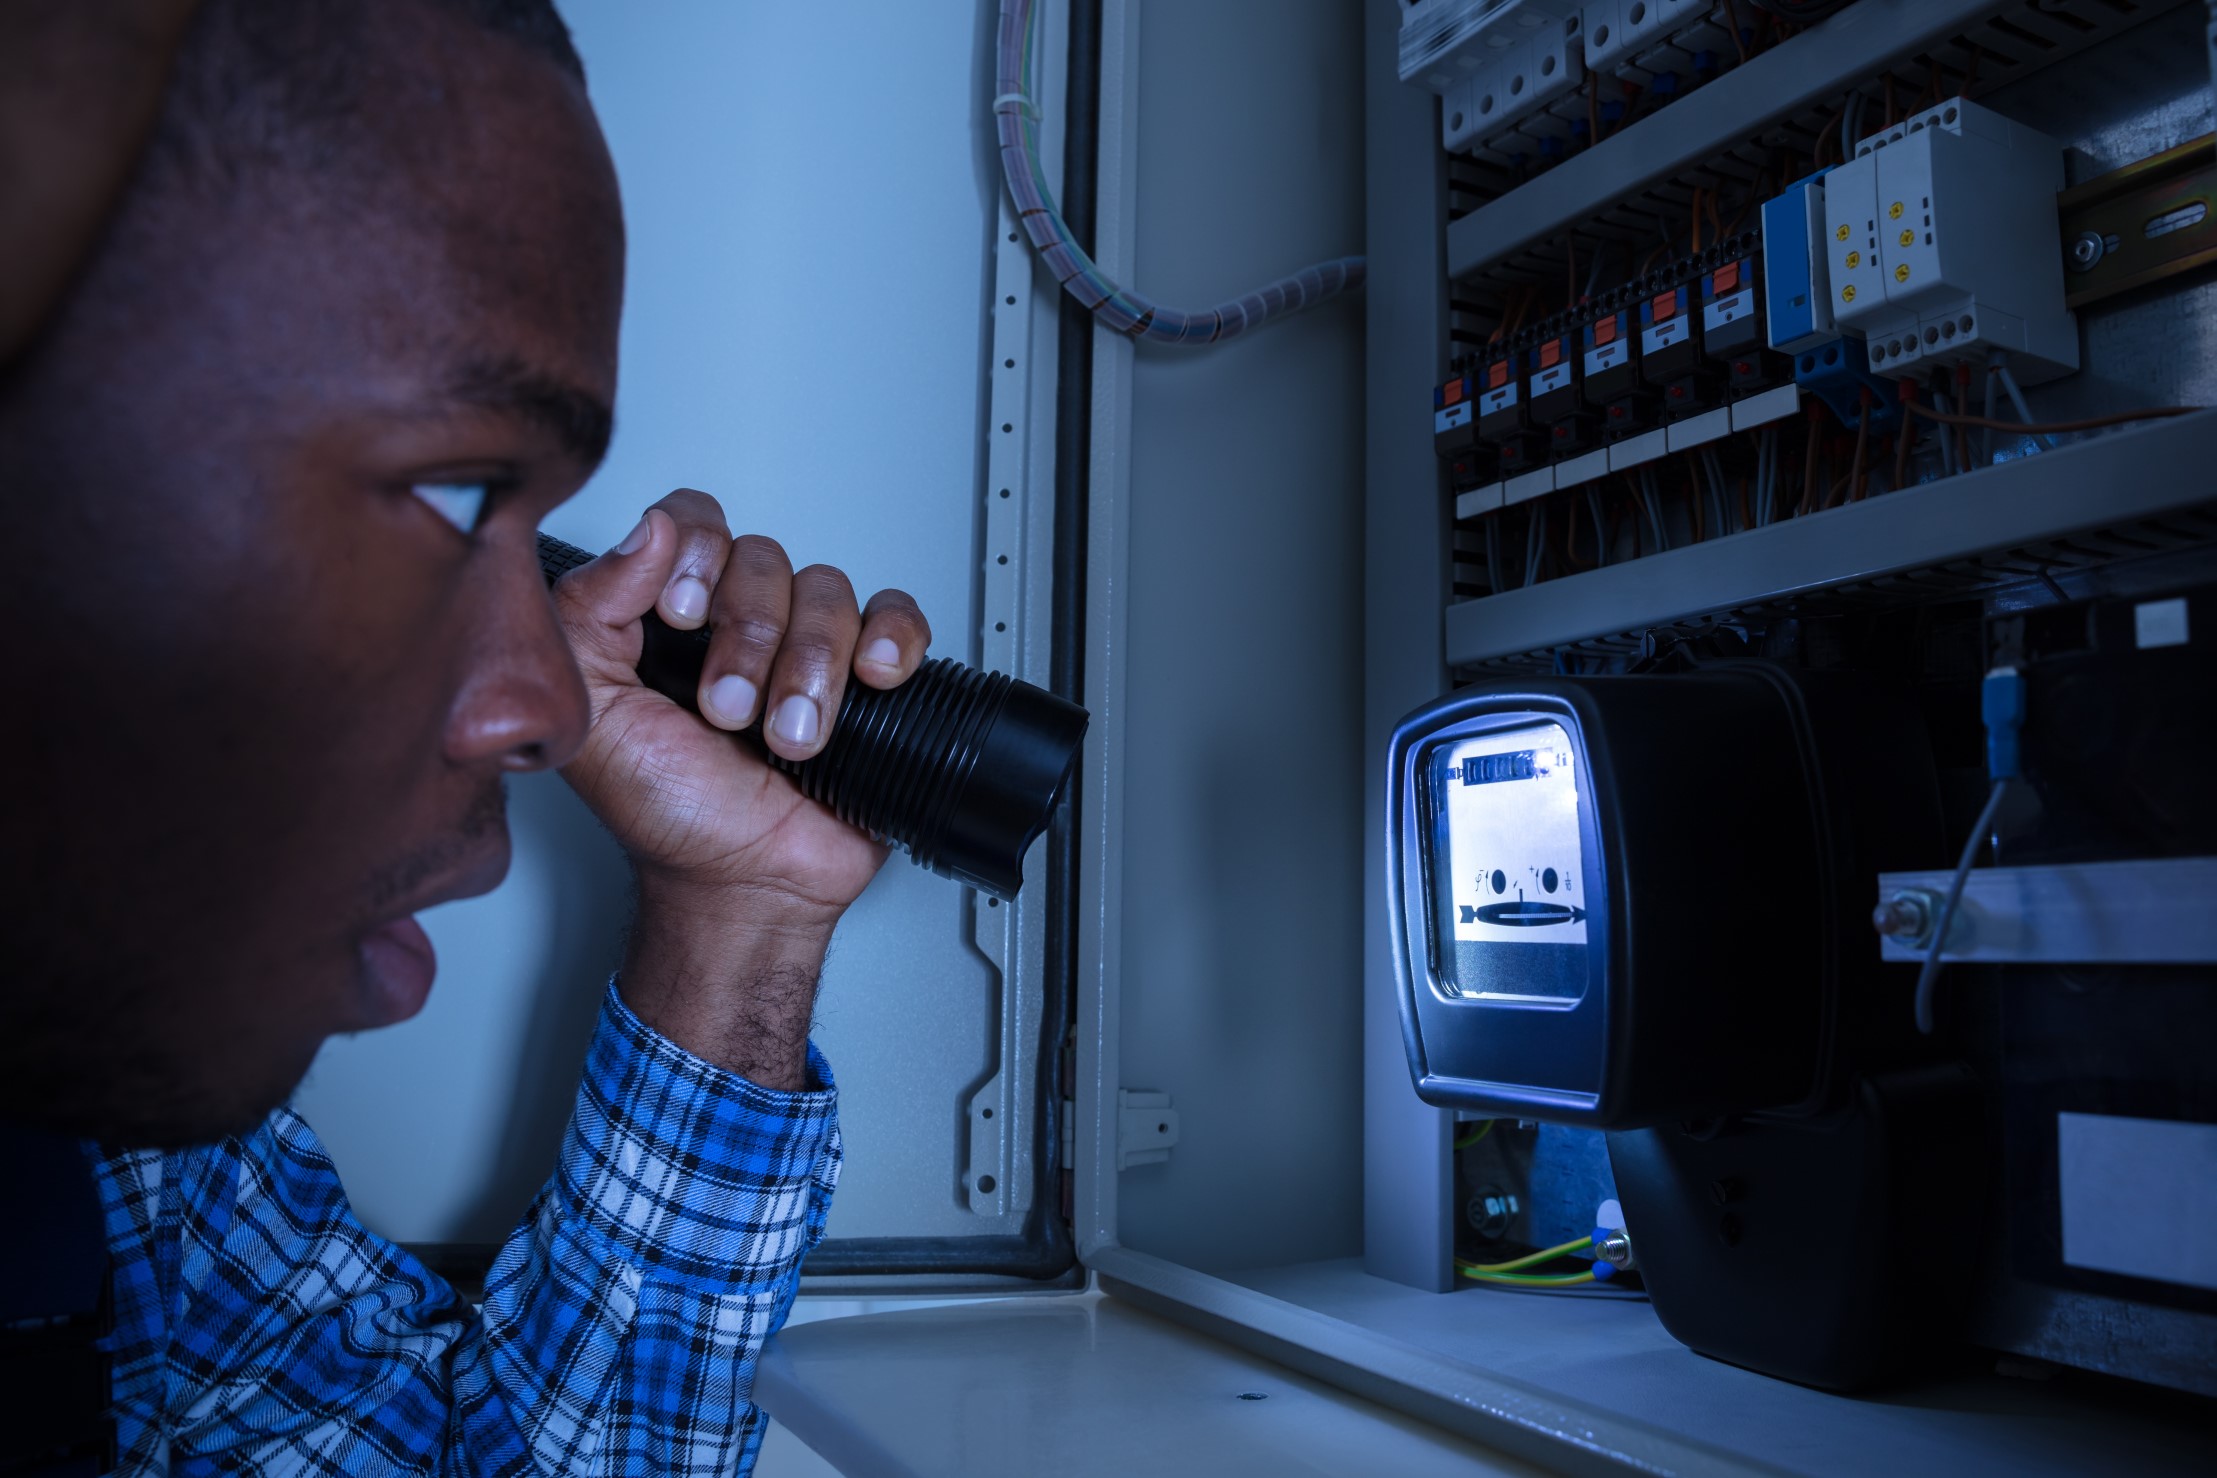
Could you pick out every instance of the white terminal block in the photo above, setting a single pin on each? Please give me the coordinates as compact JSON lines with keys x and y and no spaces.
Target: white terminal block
{"x":1941,"y":245}
{"x":1443,"y":42}
{"x":1609,"y":48}
{"x":1484,"y":113}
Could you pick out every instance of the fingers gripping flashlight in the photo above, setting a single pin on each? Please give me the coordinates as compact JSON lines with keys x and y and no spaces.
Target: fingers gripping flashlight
{"x":958,"y":768}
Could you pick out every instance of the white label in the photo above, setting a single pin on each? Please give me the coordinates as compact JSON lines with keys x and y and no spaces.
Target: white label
{"x":2136,"y":1195}
{"x":1608,"y":356}
{"x":1551,"y":379}
{"x":1512,"y":826}
{"x":1447,"y":420}
{"x":1497,"y":400}
{"x":1670,"y":331}
{"x":1729,"y":310}
{"x":2159,"y":623}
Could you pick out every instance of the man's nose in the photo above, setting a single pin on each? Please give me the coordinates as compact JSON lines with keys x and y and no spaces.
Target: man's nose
{"x":522,"y":702}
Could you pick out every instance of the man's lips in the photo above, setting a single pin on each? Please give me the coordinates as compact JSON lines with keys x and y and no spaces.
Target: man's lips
{"x":398,"y":962}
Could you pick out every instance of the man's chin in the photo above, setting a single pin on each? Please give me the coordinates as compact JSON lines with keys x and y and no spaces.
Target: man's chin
{"x":167,"y":1116}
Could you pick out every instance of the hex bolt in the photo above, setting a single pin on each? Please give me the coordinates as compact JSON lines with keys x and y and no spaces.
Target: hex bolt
{"x":1907,"y":916}
{"x":1615,"y":1250}
{"x":2086,"y":250}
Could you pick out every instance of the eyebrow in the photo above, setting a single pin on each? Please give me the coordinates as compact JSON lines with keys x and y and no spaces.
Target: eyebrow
{"x":579,"y":420}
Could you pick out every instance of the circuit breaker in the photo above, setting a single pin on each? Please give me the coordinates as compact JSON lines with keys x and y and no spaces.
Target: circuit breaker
{"x":1942,"y":245}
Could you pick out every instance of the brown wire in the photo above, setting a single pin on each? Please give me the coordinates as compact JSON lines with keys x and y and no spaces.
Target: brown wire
{"x":1808,"y":471}
{"x":1732,"y":20}
{"x":2028,"y":428}
{"x":1694,"y":499}
{"x":1970,"y":75}
{"x":1593,"y":109}
{"x":1862,"y":444}
{"x":1902,"y":439}
{"x":1891,"y":116}
{"x":1816,"y":150}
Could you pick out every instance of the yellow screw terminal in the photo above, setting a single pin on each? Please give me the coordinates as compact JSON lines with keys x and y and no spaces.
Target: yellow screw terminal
{"x":1841,"y":233}
{"x":1893,"y":212}
{"x":1847,"y":294}
{"x":1854,"y":259}
{"x":1908,"y":238}
{"x":1901,"y":273}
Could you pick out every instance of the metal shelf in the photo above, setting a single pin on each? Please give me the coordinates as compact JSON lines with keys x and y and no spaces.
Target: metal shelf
{"x":2134,"y":492}
{"x":1730,"y":113}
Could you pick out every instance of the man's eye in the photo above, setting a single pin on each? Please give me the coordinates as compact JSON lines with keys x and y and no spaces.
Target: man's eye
{"x":459,"y":503}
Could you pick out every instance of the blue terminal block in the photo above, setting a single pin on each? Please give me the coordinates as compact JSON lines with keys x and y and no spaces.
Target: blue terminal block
{"x":1838,"y":373}
{"x":1797,"y":299}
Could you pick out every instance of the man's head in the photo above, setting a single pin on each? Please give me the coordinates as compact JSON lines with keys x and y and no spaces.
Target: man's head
{"x":268,"y":487}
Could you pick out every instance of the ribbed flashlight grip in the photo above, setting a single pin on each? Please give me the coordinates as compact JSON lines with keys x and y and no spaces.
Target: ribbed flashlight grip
{"x":956,"y":767}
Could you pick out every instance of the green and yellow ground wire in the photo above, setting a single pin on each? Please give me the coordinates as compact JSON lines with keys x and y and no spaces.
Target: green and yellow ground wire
{"x":1511,"y":1273}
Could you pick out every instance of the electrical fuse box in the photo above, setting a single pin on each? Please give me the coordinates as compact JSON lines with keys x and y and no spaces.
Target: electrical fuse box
{"x":1944,"y":248}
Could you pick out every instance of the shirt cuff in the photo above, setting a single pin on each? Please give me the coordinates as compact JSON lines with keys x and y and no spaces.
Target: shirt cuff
{"x":692,"y":1171}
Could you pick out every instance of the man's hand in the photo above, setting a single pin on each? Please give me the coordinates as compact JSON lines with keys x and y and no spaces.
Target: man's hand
{"x":741,"y":877}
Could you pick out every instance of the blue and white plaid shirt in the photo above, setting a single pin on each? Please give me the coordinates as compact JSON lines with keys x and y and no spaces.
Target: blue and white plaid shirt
{"x":260,"y":1328}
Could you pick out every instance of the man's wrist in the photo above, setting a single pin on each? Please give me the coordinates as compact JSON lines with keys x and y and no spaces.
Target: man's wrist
{"x":729,"y":974}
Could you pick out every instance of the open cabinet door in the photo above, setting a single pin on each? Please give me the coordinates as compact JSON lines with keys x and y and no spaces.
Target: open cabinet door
{"x":830,"y":327}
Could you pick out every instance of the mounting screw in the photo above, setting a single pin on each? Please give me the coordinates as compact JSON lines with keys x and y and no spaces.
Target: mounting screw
{"x":1907,"y":916}
{"x":2086,"y":250}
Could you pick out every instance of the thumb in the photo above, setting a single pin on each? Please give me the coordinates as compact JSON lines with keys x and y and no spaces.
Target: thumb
{"x":600,"y":604}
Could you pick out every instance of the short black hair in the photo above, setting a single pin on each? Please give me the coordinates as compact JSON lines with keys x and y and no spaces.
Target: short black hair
{"x":294,"y":79}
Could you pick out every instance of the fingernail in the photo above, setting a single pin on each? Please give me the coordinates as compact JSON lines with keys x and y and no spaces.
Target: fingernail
{"x":636,"y":540}
{"x":795,"y":722}
{"x":732,"y":698}
{"x":687,"y":598}
{"x":884,"y":652}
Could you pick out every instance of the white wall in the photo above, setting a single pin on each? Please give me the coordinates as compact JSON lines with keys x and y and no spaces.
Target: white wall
{"x":809,"y":209}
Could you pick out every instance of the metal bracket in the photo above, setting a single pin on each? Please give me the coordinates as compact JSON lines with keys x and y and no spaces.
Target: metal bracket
{"x":1146,"y":1128}
{"x":2153,"y":912}
{"x":2153,"y":219}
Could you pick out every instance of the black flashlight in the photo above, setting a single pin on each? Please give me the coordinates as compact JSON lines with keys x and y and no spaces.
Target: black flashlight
{"x":958,"y":768}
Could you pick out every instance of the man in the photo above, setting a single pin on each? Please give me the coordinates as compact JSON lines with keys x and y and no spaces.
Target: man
{"x":270,"y":472}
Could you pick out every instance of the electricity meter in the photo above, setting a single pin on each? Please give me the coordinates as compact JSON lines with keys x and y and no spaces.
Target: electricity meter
{"x":1634,"y":900}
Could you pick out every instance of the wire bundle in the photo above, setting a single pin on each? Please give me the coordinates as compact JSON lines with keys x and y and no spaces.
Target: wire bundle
{"x":1016,"y":119}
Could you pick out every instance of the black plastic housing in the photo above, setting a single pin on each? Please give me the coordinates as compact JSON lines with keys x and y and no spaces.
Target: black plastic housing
{"x":958,"y":768}
{"x":1727,"y":857}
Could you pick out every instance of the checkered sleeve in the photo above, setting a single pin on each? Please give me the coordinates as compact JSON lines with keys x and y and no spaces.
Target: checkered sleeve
{"x":621,"y":1321}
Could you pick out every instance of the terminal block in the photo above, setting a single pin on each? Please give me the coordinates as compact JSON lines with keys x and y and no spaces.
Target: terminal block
{"x":1942,"y":246}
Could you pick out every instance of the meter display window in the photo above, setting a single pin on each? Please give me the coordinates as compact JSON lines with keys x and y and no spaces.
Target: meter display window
{"x":1506,"y":867}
